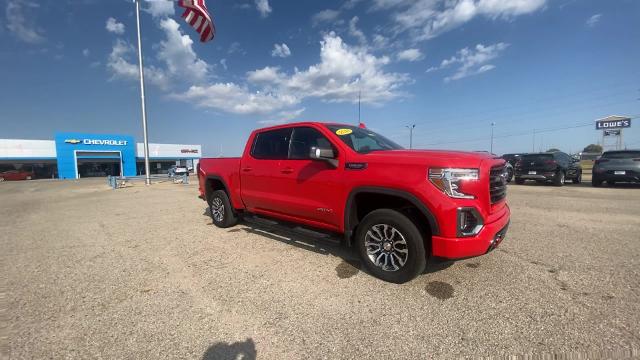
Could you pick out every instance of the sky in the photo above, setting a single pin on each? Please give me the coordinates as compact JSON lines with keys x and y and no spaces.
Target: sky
{"x":540,"y":71}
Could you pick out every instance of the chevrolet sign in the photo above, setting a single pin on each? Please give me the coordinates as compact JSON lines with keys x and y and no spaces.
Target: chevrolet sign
{"x":97,"y":142}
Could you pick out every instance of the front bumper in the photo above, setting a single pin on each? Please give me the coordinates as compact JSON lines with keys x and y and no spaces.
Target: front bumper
{"x":487,"y":239}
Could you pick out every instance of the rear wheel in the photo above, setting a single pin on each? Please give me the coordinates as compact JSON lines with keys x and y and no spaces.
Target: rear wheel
{"x":391,"y":246}
{"x":519,"y":181}
{"x":222,"y":213}
{"x":595,"y":182}
{"x":578,"y":178}
{"x":558,"y":180}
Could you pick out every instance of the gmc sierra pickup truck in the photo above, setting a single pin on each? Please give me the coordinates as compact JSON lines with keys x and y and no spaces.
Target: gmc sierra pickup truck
{"x":397,"y":207}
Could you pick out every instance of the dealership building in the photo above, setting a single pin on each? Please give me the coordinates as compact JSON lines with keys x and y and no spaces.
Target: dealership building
{"x":79,"y":155}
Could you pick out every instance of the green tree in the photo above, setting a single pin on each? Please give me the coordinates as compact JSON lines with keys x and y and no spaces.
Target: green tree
{"x":553,"y":150}
{"x":593,"y":148}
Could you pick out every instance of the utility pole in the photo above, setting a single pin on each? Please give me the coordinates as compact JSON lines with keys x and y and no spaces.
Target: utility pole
{"x":410,"y":127}
{"x":533,"y":143}
{"x":147,"y":179}
{"x":493,"y":124}
{"x":359,"y":119}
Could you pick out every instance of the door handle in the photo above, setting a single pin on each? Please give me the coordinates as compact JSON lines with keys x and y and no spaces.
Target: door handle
{"x":287,"y":170}
{"x":247,"y":169}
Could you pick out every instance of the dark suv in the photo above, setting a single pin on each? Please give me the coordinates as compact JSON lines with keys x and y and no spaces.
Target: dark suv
{"x":511,"y":159}
{"x":617,"y":166}
{"x":551,"y":166}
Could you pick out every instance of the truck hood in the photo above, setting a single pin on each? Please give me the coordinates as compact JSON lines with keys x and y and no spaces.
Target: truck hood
{"x":422,"y":156}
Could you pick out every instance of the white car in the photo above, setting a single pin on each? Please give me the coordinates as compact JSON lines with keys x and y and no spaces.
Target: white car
{"x":178,"y":170}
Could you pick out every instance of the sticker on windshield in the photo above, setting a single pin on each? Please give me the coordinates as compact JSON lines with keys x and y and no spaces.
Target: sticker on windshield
{"x":344,"y":131}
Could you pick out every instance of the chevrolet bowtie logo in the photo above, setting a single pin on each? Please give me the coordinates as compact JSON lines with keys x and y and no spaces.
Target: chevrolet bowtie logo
{"x":73,"y":141}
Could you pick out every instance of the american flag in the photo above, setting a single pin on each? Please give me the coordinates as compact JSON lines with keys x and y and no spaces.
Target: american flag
{"x":197,"y":15}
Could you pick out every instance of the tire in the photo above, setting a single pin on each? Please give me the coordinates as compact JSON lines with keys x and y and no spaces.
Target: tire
{"x":558,"y":180}
{"x":595,"y":182}
{"x":509,"y":175}
{"x":405,"y":243}
{"x":222,"y":213}
{"x":519,"y":181}
{"x":578,"y":178}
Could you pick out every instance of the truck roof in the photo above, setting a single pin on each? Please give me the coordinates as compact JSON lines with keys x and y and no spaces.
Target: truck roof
{"x":303,"y":123}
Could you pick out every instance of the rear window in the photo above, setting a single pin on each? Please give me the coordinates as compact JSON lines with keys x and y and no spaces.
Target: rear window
{"x":537,"y":157}
{"x":621,"y":155}
{"x":272,"y":145}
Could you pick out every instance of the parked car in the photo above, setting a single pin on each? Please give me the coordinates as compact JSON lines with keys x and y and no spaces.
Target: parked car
{"x":397,"y":207}
{"x":178,"y":170}
{"x":511,"y":159}
{"x":617,"y":166}
{"x":12,"y":175}
{"x":556,"y":167}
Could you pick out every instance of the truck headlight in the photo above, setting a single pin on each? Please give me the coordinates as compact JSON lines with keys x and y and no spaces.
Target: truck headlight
{"x":449,"y":181}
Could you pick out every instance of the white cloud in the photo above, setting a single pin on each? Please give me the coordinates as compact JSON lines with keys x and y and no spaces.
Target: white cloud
{"x":341,"y":73}
{"x":280,"y":50}
{"x":236,"y":99}
{"x":263,"y":7}
{"x":327,"y":15}
{"x":410,"y":55}
{"x":355,"y":32}
{"x":265,"y":75}
{"x":114,"y":26}
{"x":160,"y":8}
{"x":121,"y":67}
{"x":85,"y":52}
{"x":283,"y":117}
{"x":177,"y":53}
{"x":223,"y":62}
{"x":593,"y":20}
{"x":426,"y":19}
{"x":471,"y":61}
{"x":22,"y":25}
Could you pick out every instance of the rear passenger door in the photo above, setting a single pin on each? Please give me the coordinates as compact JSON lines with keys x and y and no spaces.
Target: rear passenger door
{"x":260,"y":177}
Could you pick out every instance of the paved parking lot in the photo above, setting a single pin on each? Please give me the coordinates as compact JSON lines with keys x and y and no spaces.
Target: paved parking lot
{"x":89,"y":272}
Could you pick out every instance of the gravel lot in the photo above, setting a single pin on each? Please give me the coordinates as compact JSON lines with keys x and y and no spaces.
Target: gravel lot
{"x":140,"y":272}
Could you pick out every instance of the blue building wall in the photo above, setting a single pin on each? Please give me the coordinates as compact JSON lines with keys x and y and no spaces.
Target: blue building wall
{"x":68,"y":143}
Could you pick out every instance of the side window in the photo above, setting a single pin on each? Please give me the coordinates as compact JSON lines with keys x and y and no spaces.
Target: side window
{"x":272,"y":145}
{"x":304,"y":138}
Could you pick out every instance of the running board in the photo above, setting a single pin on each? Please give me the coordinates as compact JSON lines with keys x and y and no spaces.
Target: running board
{"x":290,"y":231}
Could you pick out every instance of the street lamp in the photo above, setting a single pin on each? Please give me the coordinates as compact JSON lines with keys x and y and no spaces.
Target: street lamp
{"x":410,"y":127}
{"x":493,"y":124}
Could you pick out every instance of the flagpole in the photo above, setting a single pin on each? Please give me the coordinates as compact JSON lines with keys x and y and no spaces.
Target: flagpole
{"x":144,"y":108}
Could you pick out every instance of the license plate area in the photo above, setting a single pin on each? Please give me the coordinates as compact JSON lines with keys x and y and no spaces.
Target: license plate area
{"x":533,"y":172}
{"x":619,"y":172}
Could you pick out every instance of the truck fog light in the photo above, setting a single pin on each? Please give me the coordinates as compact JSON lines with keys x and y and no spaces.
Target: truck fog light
{"x":469,"y":222}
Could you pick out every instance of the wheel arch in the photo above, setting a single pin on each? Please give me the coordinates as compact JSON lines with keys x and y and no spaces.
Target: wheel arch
{"x":352,"y":218}
{"x":214,"y":183}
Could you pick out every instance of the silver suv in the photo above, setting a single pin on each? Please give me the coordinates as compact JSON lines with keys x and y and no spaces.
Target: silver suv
{"x":617,"y":166}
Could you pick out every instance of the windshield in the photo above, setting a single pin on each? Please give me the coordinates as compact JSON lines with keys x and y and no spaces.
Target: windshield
{"x":621,"y":155}
{"x":363,"y":140}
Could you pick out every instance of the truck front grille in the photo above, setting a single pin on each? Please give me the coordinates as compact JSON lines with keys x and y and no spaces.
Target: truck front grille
{"x":497,"y":183}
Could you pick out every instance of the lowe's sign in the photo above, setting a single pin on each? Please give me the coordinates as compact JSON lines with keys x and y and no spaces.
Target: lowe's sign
{"x":70,"y":147}
{"x":613,"y":123}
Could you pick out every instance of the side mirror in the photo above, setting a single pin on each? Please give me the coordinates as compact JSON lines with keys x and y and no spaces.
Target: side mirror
{"x":321,"y":154}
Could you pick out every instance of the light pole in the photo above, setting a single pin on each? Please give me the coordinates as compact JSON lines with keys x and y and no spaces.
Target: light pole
{"x":410,"y":127}
{"x":492,"y":126}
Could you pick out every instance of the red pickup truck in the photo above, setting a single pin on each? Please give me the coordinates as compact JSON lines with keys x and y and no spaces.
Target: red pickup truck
{"x":397,"y":207}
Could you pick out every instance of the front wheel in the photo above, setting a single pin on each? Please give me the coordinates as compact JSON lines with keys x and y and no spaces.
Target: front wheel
{"x":222,"y":213}
{"x":391,"y":246}
{"x":558,"y":180}
{"x":578,"y":178}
